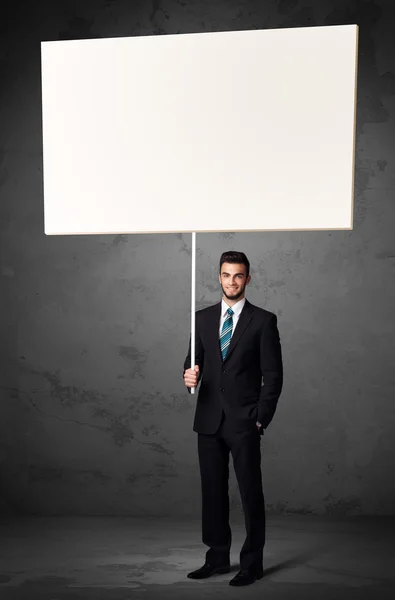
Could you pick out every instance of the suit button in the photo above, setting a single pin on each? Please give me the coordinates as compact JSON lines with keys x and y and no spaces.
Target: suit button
{"x":222,"y":390}
{"x":223,"y":370}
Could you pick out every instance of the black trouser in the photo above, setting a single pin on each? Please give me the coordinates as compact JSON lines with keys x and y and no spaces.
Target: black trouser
{"x":213,"y":450}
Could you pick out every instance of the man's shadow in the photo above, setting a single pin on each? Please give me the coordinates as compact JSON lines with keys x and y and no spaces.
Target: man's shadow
{"x":287,"y":564}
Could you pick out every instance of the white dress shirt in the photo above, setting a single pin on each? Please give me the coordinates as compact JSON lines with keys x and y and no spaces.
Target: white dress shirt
{"x":237,"y":308}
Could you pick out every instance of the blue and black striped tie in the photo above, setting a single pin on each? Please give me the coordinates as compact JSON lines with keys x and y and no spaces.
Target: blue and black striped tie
{"x":226,"y":333}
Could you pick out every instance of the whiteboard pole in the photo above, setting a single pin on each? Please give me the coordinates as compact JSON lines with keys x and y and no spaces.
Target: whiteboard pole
{"x":193,"y":303}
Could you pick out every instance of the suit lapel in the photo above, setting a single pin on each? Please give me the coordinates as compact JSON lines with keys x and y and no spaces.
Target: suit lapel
{"x":244,"y":319}
{"x":213,"y":328}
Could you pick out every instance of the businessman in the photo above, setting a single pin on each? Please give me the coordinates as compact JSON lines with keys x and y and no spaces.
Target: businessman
{"x":237,"y":345}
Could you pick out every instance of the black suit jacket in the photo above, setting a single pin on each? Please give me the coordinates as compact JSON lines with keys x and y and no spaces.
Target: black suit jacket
{"x":235,"y":384}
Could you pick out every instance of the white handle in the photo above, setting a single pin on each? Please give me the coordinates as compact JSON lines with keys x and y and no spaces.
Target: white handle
{"x":193,"y":303}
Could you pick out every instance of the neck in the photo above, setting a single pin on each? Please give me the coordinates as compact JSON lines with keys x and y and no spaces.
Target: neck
{"x":232,"y":302}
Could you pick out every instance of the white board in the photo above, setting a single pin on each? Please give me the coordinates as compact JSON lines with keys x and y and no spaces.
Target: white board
{"x":230,"y":131}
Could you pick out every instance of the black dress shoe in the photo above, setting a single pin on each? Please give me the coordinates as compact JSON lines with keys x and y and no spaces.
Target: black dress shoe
{"x":246,"y":576}
{"x":207,"y":570}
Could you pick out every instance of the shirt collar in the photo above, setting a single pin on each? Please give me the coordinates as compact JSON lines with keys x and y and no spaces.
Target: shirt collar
{"x":237,"y":308}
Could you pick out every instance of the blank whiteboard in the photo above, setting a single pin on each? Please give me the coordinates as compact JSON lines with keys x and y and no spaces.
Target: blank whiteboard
{"x":230,"y":131}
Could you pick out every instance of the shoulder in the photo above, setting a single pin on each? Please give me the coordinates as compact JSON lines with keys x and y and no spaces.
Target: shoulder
{"x":264,"y":318}
{"x":264,"y":314}
{"x":209,"y":310}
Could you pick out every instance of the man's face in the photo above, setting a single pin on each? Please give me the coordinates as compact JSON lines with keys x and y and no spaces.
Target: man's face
{"x":233,"y":280}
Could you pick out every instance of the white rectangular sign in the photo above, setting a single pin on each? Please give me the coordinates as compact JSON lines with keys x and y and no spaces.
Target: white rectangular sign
{"x":230,"y":131}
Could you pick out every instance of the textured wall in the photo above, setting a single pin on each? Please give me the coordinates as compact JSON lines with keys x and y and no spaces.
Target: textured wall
{"x":94,"y":416}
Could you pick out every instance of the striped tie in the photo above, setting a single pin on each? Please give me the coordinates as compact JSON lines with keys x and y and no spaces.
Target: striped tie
{"x":226,"y":333}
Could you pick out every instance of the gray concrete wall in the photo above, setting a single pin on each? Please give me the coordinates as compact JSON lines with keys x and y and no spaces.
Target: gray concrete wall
{"x":94,"y":416}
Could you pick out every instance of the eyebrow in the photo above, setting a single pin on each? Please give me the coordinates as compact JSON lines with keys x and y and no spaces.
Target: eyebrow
{"x":225,"y":273}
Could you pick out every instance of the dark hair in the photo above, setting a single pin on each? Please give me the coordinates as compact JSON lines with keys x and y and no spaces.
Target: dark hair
{"x":234,"y":257}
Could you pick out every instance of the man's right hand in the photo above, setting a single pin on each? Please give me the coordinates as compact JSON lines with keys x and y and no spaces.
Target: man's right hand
{"x":191,"y":377}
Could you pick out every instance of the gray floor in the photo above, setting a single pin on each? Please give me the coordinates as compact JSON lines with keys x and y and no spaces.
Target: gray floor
{"x":121,"y":558}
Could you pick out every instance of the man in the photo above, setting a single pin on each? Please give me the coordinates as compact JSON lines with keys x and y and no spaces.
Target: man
{"x":237,"y":345}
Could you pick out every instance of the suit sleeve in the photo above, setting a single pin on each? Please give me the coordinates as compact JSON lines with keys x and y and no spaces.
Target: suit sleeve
{"x":272,"y":372}
{"x":199,"y":353}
